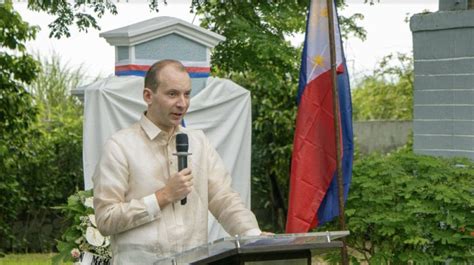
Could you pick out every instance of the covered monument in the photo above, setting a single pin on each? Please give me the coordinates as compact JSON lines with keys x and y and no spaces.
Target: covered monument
{"x":219,"y":107}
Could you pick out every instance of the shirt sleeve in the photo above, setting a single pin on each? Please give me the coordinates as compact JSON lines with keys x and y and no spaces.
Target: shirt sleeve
{"x":253,"y":232}
{"x":114,"y":214}
{"x":225,"y":203}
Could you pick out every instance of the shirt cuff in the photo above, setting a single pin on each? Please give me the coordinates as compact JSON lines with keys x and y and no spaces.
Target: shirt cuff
{"x":252,"y":232}
{"x":152,"y":206}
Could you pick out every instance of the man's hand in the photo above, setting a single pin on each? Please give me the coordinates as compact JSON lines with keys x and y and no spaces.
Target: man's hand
{"x":178,"y":187}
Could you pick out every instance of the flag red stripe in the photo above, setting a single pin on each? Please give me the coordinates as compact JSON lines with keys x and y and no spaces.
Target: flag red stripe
{"x":314,"y":154}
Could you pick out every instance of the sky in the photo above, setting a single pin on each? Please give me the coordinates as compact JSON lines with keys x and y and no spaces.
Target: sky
{"x":387,"y":32}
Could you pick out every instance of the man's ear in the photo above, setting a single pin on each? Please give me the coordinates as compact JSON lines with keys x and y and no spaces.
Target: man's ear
{"x":147,"y":95}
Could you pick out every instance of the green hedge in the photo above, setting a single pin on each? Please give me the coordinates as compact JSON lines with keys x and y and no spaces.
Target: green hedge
{"x":41,"y":160}
{"x":405,"y":207}
{"x":49,"y":170}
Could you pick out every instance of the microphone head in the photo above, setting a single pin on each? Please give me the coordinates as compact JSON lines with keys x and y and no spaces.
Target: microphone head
{"x":182,"y":144}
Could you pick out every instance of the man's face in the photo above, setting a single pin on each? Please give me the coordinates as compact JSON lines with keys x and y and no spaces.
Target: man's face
{"x":167,"y":106}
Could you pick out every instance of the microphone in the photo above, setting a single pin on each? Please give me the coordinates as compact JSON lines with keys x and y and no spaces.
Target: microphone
{"x":182,"y":147}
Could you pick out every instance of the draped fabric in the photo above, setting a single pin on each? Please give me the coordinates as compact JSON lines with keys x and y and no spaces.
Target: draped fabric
{"x":222,"y":110}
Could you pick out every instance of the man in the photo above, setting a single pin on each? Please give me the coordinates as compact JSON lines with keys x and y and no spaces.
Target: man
{"x":137,"y":189}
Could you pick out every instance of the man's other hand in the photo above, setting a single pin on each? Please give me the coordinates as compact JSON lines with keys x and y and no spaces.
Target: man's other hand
{"x":177,"y":188}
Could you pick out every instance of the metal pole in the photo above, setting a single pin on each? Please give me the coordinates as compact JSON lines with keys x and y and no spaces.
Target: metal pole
{"x":337,"y":128}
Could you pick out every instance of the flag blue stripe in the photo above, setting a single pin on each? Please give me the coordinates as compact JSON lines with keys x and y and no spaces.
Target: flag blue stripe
{"x":329,"y":207}
{"x":303,"y":78}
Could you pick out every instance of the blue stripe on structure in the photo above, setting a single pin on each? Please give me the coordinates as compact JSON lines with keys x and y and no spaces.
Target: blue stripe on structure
{"x":131,"y":72}
{"x":142,"y":73}
{"x":198,"y":75}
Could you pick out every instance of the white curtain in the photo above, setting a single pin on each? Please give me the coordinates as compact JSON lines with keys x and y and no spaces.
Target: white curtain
{"x":222,"y":110}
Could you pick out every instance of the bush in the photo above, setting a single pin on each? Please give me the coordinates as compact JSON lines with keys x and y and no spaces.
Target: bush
{"x":407,"y":207}
{"x":386,"y":94}
{"x":52,"y":172}
{"x":17,"y":113}
{"x":44,"y":166}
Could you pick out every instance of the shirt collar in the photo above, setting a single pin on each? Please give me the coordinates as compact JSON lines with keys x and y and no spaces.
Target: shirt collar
{"x":151,"y":130}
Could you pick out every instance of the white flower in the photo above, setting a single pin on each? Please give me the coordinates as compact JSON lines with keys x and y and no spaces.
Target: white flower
{"x":89,"y":202}
{"x":75,"y":253}
{"x":92,"y":219}
{"x":94,"y":237}
{"x":107,"y":241}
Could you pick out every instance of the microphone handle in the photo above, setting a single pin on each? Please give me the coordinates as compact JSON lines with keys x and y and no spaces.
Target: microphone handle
{"x":182,"y":164}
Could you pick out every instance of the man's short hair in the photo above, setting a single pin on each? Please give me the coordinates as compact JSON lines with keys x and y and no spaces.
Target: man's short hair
{"x":152,"y":77}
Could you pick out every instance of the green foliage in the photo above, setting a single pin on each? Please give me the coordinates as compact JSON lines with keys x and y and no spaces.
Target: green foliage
{"x":56,"y":162}
{"x":257,"y":55}
{"x":388,"y":93}
{"x":17,"y":113}
{"x":406,"y":207}
{"x":82,"y":13}
{"x":51,"y":90}
{"x":51,"y":164}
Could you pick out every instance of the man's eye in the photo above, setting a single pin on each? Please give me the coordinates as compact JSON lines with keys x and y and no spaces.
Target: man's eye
{"x":172,"y":94}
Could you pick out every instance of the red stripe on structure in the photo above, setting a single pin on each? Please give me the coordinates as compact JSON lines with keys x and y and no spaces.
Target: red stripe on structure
{"x":132,"y":67}
{"x":198,"y":69}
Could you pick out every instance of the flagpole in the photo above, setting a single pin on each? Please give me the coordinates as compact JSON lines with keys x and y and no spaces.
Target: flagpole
{"x":337,"y":128}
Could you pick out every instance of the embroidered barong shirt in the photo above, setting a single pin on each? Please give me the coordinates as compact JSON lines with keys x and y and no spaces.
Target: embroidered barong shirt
{"x":138,"y":161}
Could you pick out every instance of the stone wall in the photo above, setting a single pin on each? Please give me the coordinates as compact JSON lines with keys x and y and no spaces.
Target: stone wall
{"x":381,"y":136}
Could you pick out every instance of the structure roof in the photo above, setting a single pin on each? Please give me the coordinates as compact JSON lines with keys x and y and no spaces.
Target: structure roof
{"x":160,"y":26}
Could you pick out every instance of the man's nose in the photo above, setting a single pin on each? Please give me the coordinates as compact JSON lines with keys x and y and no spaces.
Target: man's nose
{"x":182,"y":101}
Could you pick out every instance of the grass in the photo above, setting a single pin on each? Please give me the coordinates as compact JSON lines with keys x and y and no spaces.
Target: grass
{"x":27,"y":259}
{"x":45,"y":259}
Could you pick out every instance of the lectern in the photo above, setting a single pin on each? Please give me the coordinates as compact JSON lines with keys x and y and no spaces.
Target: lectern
{"x":276,"y":249}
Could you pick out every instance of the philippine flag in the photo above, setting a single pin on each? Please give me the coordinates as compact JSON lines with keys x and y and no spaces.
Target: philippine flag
{"x":313,"y":198}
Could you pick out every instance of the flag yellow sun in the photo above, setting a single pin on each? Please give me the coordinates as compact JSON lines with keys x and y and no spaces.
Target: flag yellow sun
{"x":318,"y":60}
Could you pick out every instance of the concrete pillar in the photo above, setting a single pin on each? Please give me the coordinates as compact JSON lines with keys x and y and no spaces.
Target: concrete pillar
{"x":443,"y":46}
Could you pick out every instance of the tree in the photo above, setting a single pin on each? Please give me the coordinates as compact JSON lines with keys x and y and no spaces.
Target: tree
{"x":68,"y":13}
{"x":51,"y":169}
{"x":56,"y":164}
{"x":387,"y":94}
{"x":16,"y":110}
{"x":258,"y":56}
